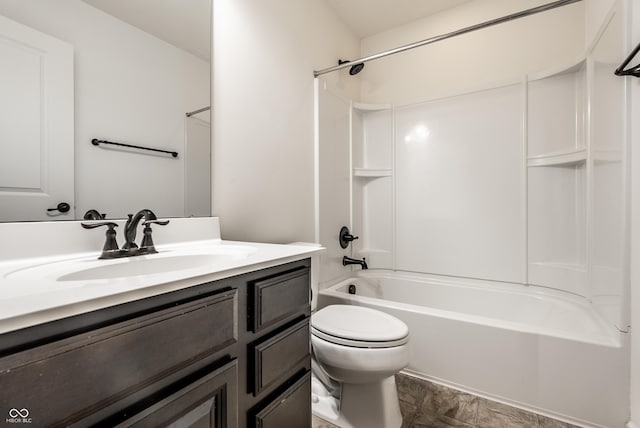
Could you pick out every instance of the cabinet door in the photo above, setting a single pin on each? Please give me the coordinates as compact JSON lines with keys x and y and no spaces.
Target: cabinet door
{"x":291,"y":409}
{"x":207,"y":402}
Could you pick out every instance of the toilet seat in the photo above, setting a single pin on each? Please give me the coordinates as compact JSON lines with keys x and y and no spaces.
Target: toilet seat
{"x":359,"y":327}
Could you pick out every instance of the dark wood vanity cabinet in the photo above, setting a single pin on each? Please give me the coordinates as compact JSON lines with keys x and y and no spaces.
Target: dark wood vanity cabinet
{"x":228,"y":353}
{"x":279,"y":349}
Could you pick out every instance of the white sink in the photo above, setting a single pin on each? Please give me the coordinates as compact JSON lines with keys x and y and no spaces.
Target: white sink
{"x":164,"y":262}
{"x":136,"y":266}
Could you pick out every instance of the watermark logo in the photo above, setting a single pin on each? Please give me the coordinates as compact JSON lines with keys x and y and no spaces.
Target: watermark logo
{"x":18,"y":416}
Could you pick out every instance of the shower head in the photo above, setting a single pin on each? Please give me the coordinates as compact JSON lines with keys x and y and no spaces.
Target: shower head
{"x":355,"y":69}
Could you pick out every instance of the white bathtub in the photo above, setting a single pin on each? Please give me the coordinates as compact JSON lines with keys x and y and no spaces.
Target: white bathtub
{"x":534,"y":348}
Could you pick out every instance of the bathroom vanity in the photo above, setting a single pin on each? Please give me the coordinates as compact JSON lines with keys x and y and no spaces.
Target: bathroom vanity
{"x":229,"y":347}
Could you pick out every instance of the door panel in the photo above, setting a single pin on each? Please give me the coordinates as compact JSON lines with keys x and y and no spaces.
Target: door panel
{"x":197,"y":169}
{"x":36,"y":124}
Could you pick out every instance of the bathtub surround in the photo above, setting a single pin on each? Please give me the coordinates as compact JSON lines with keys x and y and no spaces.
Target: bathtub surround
{"x":529,"y":191}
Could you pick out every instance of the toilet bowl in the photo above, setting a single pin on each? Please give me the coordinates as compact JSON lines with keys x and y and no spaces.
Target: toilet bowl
{"x":357,"y":351}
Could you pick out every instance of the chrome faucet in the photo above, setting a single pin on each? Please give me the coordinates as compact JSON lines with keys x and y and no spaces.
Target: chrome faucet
{"x":349,"y":261}
{"x":131,"y":229}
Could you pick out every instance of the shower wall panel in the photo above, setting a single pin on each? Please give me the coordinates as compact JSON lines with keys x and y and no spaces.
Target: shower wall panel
{"x":557,"y":177}
{"x":609,"y":235}
{"x":460,"y":186}
{"x":373,"y":183}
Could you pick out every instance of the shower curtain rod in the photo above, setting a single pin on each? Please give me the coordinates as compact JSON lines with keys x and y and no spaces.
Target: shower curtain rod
{"x":191,"y":113}
{"x":459,"y":32}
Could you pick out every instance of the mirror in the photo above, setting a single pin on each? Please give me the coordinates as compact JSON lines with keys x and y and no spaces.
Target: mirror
{"x":134,"y":69}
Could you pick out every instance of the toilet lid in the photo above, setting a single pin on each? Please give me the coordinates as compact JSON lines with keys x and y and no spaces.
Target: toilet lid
{"x":359,"y":326}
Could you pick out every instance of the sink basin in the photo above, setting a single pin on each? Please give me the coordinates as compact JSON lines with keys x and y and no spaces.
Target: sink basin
{"x":136,"y":266}
{"x":195,"y":259}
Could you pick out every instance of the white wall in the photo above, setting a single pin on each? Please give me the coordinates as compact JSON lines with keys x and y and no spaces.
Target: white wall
{"x":263,"y":113}
{"x":148,"y":110}
{"x":479,"y":59}
{"x":333,"y":178}
{"x":595,"y":13}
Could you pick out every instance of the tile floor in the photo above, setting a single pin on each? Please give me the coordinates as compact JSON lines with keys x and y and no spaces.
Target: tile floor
{"x":429,"y":405}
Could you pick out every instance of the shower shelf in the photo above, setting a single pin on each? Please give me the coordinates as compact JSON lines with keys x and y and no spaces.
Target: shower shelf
{"x":372,"y":172}
{"x":559,"y":159}
{"x":371,"y":107}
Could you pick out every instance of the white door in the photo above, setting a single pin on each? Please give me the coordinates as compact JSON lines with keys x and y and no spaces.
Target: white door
{"x":36,"y":125}
{"x":197,"y":167}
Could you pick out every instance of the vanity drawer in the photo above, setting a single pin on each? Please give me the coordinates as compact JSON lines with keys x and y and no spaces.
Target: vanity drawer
{"x":278,"y":298}
{"x":209,"y":401}
{"x":279,"y":355}
{"x":67,"y":380}
{"x":291,"y":409}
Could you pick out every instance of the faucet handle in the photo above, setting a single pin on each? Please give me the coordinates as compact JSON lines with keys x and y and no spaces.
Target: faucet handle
{"x":156,"y":221}
{"x":345,"y":237}
{"x":147,"y":246}
{"x":110,"y":245}
{"x":109,"y":224}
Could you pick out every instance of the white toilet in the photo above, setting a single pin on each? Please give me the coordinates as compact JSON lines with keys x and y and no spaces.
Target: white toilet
{"x":356,"y":353}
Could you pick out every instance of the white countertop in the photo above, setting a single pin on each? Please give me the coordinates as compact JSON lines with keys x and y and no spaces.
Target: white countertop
{"x":35,"y":290}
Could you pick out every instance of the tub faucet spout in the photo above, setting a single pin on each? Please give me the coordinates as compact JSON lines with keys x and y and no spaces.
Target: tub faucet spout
{"x":349,"y":261}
